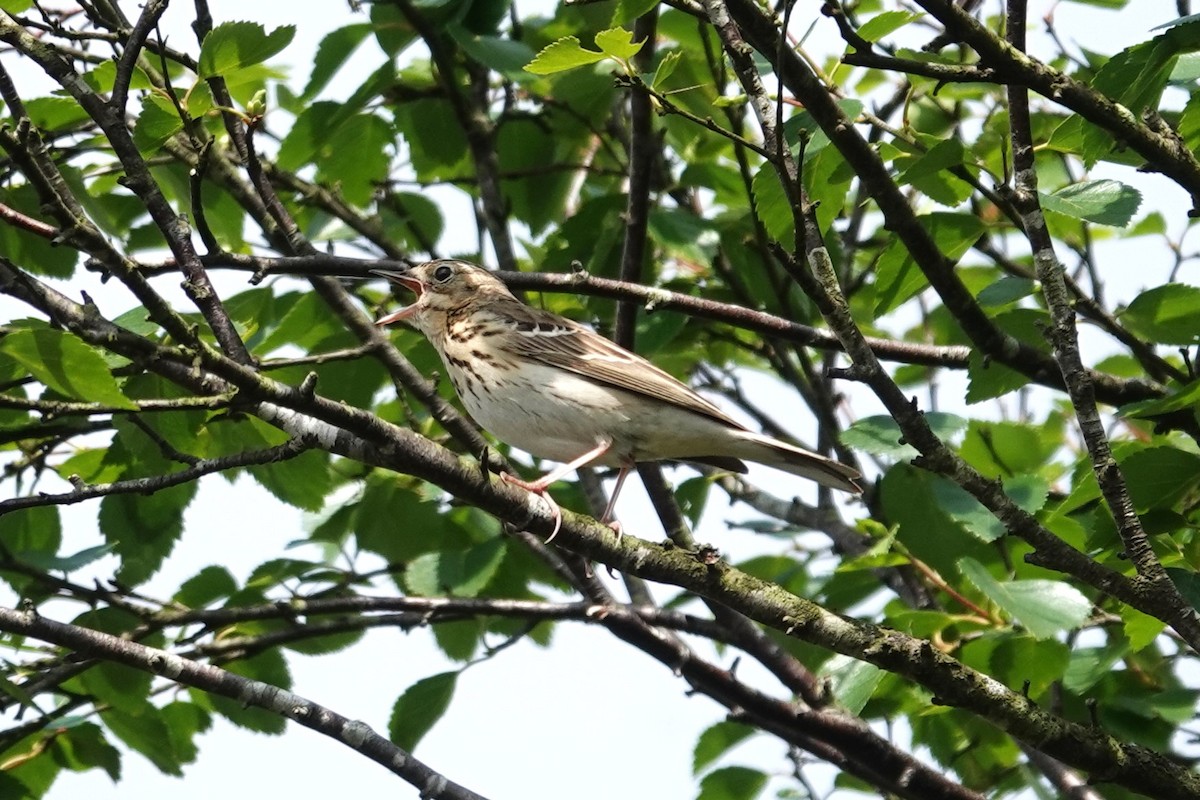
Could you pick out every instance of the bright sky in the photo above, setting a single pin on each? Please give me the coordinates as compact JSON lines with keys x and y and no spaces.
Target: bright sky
{"x":532,"y":723}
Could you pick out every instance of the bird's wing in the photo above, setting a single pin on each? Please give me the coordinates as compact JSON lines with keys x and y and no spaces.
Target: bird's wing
{"x":559,"y":342}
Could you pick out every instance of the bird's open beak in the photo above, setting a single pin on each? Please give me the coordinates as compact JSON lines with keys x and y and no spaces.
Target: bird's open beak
{"x":408,"y":282}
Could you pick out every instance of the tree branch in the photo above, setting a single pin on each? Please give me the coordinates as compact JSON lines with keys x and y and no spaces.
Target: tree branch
{"x":352,"y":733}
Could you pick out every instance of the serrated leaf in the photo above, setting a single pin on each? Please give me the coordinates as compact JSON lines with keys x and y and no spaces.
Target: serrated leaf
{"x":145,"y":733}
{"x":506,"y":56}
{"x":66,"y":364}
{"x":82,"y":746}
{"x":333,"y":51}
{"x":888,"y":22}
{"x":1158,"y":476}
{"x":772,"y":204}
{"x":1104,"y":202}
{"x":629,"y":10}
{"x":1140,"y":629}
{"x":209,"y":584}
{"x":899,"y":277}
{"x":618,"y":43}
{"x":157,"y":122}
{"x":462,"y":573}
{"x":1168,"y":314}
{"x":852,"y":681}
{"x":716,"y":741}
{"x":419,"y":708}
{"x":665,"y":67}
{"x":562,"y":55}
{"x":235,"y":45}
{"x":67,"y":563}
{"x":987,"y":378}
{"x":732,"y":783}
{"x":880,"y":435}
{"x":268,"y":667}
{"x":1043,"y":607}
{"x":1089,"y":665}
{"x":1007,"y":289}
{"x":18,"y":693}
{"x":1027,"y":491}
{"x":1187,"y":582}
{"x":143,"y":530}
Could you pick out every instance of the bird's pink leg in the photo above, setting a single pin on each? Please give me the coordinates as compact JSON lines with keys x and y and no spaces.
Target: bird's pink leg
{"x":607,"y":518}
{"x":539,"y":486}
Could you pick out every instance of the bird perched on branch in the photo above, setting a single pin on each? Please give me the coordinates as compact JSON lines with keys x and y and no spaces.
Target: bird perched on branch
{"x":559,"y":390}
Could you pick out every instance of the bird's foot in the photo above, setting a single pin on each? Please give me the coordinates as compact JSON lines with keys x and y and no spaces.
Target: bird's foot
{"x":617,"y":528}
{"x":538,"y":488}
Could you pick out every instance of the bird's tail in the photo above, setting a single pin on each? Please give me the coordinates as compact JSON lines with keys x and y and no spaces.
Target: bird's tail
{"x":781,"y":455}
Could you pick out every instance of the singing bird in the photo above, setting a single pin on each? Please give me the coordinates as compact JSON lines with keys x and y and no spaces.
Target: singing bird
{"x":559,"y":390}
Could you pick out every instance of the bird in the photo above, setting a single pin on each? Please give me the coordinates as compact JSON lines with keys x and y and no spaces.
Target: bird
{"x":558,"y":390}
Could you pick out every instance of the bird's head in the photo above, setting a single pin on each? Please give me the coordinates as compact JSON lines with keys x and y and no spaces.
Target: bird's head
{"x":441,"y":287}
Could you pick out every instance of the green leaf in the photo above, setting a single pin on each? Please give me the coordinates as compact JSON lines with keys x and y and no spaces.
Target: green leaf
{"x":17,"y":692}
{"x":65,"y":364}
{"x":852,"y":681}
{"x":1043,"y":607}
{"x":412,"y":218}
{"x":506,"y":56}
{"x":462,"y":573}
{"x":1158,"y":476}
{"x":185,"y":721}
{"x":629,"y":10}
{"x":143,"y":530}
{"x":1007,"y":289}
{"x":1187,"y":582}
{"x":232,"y":46}
{"x":157,"y":122}
{"x":268,"y":667}
{"x":303,"y":481}
{"x":1089,"y":665}
{"x":146,"y":733}
{"x":385,"y":500}
{"x":1141,"y":629}
{"x":32,"y":252}
{"x":118,"y":686}
{"x":83,"y":747}
{"x":732,"y":783}
{"x":419,"y":708}
{"x":618,"y":43}
{"x":931,"y":172}
{"x":773,"y":206}
{"x":35,"y":531}
{"x":716,"y":741}
{"x":899,"y":277}
{"x":355,"y":157}
{"x":987,"y":378}
{"x":69,"y":563}
{"x":1018,"y":659}
{"x":1105,"y":202}
{"x":880,"y":435}
{"x":459,"y":640}
{"x":562,"y":55}
{"x":665,"y":68}
{"x":1028,"y":491}
{"x":1168,"y":314}
{"x":206,"y":586}
{"x":886,"y":23}
{"x":333,"y":52}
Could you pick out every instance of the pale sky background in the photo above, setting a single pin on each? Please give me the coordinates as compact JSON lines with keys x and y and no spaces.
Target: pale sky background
{"x":531,"y":723}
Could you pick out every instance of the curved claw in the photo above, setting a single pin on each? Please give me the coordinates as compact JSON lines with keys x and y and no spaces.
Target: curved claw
{"x":540,"y":491}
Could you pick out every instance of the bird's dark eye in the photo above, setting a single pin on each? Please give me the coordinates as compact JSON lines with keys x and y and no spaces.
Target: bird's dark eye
{"x":442,"y":273}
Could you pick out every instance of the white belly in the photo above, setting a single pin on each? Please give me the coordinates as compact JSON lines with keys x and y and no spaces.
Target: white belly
{"x":555,"y":414}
